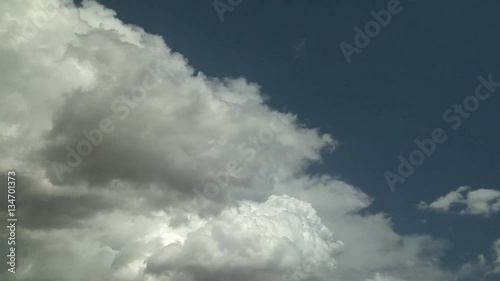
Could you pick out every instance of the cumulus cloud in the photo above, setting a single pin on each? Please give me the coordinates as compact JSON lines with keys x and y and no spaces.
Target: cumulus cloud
{"x":137,"y":167}
{"x":282,"y":237}
{"x":468,"y":202}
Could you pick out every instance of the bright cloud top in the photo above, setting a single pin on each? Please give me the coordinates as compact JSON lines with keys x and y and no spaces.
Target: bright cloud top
{"x":255,"y":241}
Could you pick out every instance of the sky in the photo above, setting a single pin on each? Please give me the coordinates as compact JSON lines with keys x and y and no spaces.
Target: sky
{"x":211,"y":140}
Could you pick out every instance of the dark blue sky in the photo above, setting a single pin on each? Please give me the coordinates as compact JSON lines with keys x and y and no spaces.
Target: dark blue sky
{"x":393,"y":92}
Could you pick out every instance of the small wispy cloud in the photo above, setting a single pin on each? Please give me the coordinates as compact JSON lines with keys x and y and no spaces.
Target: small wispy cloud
{"x":469,"y":202}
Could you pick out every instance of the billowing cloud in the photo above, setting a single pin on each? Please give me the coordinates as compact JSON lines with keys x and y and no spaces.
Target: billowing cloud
{"x":468,"y":202}
{"x":137,"y":167}
{"x":282,"y":237}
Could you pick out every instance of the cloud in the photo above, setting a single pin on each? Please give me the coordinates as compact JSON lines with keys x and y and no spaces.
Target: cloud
{"x":470,"y":202}
{"x":115,"y":137}
{"x":473,"y":269}
{"x":485,"y":264}
{"x":496,"y":248}
{"x":282,"y":237}
{"x":380,"y":277}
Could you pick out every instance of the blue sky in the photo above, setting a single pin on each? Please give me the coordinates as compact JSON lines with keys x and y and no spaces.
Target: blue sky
{"x":128,"y":202}
{"x":395,"y":91}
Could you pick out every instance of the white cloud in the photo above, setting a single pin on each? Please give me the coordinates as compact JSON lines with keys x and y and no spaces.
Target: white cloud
{"x":470,"y":202}
{"x":131,"y":196}
{"x":281,"y":237}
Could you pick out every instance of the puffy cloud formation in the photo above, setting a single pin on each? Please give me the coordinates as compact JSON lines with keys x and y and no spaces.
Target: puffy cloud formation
{"x":470,"y":202}
{"x":133,"y":166}
{"x":282,"y":237}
